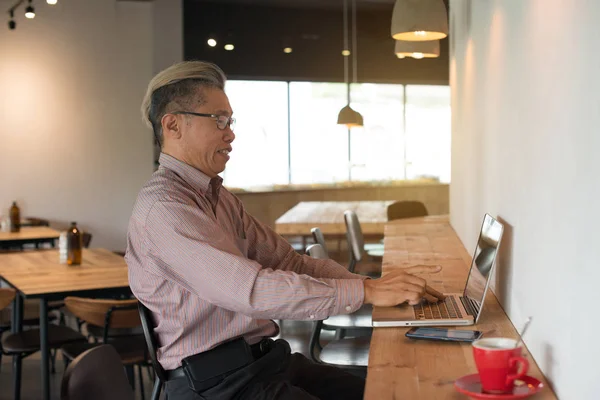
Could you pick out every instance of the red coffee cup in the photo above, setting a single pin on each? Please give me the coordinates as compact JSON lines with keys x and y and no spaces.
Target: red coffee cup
{"x":499,"y":363}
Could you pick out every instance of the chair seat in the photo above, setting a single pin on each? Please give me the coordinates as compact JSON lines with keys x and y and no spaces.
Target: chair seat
{"x":350,"y":352}
{"x":361,"y":318}
{"x":98,"y":331}
{"x":131,"y":349}
{"x":29,"y":341}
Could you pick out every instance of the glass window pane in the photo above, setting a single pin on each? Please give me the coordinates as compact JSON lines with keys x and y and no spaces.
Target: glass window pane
{"x":319,"y":147}
{"x":428,"y":132}
{"x":377,"y":149}
{"x":260,"y":148}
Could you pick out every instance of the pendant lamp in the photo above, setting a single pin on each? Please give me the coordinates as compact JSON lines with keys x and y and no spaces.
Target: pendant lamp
{"x":430,"y":49}
{"x":419,"y":20}
{"x":347,"y":115}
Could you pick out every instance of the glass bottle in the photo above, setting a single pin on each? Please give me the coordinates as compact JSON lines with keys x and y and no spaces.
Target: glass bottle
{"x":74,"y":245}
{"x":15,"y":218}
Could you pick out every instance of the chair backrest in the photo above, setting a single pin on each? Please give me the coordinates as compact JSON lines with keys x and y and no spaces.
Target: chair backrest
{"x":34,"y":221}
{"x":151,"y":342}
{"x":317,"y":251}
{"x":356,"y":241}
{"x":406,"y":209}
{"x":96,"y":374}
{"x":106,"y":313}
{"x":7,"y":295}
{"x":319,"y":238}
{"x":86,"y":239}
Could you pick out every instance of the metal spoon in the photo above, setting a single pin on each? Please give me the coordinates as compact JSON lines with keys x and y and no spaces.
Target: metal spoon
{"x":523,"y":332}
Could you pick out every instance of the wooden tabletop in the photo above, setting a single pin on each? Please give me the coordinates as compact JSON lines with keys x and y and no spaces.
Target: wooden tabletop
{"x":30,"y":233}
{"x":35,"y":273}
{"x":329,"y":216}
{"x":401,"y":368}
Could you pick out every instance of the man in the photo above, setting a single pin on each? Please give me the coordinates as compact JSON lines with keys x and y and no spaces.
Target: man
{"x":214,"y":277}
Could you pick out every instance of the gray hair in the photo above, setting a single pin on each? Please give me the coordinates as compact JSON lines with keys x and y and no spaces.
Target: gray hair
{"x":179,"y":87}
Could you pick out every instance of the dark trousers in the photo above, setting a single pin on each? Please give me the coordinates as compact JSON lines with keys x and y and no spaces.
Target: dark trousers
{"x":278,"y":375}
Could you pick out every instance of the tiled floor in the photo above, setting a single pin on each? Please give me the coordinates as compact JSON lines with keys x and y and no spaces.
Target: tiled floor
{"x":297,"y":333}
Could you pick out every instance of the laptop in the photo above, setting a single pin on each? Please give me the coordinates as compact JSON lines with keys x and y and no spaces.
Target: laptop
{"x":458,"y":308}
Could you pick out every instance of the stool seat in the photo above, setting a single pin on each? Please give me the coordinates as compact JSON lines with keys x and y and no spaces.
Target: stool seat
{"x":350,"y":352}
{"x":29,"y":341}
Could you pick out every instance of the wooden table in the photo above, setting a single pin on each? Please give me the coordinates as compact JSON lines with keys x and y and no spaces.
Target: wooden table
{"x":329,"y":216}
{"x":401,"y":368}
{"x":34,"y":235}
{"x":38,"y":275}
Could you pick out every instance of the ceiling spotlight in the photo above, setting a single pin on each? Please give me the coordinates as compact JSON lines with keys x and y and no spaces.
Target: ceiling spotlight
{"x":211,"y":42}
{"x":29,"y":11}
{"x":345,"y":53}
{"x":51,"y":2}
{"x":287,"y":50}
{"x":417,"y":55}
{"x":229,"y":47}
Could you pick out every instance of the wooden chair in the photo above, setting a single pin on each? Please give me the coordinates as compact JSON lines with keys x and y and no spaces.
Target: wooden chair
{"x":347,"y":353}
{"x":117,"y":320}
{"x":22,"y":344}
{"x":152,"y":343}
{"x":96,"y":374}
{"x":406,"y":209}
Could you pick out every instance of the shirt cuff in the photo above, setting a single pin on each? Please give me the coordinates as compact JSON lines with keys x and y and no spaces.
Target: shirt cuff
{"x":350,"y":295}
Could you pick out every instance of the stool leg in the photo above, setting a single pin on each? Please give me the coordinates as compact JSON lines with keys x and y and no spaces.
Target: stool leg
{"x":156,"y":389}
{"x":17,"y":376}
{"x":140,"y":373}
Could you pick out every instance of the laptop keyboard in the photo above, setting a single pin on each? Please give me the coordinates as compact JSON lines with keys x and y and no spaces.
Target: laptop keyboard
{"x":447,"y":309}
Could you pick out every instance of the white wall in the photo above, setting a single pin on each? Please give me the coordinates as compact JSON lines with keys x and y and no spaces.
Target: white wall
{"x":525,"y":78}
{"x":72,"y":143}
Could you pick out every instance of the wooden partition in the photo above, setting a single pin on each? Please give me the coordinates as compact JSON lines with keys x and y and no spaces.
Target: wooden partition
{"x":268,"y":206}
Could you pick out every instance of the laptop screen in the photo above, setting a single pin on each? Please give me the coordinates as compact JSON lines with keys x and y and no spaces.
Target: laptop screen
{"x":483,"y":262}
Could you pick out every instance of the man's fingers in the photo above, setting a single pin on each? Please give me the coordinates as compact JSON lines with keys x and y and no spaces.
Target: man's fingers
{"x":430,"y":298}
{"x":423,"y":269}
{"x":435,"y":293}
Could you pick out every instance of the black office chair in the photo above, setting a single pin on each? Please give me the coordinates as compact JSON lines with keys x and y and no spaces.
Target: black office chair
{"x":96,"y":374}
{"x":151,"y":342}
{"x":347,"y":353}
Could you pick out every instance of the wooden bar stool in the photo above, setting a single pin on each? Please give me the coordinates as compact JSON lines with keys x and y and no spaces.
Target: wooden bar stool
{"x":117,"y":320}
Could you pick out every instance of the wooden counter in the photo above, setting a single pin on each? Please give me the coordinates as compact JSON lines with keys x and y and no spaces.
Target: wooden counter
{"x":401,"y":368}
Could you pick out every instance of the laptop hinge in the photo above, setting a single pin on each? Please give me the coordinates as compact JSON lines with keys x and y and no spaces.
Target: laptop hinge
{"x":471,"y":306}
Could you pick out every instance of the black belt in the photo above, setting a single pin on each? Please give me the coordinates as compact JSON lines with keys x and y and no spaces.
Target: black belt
{"x":258,"y":350}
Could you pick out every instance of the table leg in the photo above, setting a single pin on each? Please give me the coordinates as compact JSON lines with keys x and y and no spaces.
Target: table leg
{"x":44,"y":348}
{"x":16,"y":327}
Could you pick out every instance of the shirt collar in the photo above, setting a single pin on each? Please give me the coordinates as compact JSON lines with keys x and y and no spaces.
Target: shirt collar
{"x":194,"y":177}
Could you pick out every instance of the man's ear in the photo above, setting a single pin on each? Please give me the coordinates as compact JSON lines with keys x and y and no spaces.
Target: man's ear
{"x":171,"y":126}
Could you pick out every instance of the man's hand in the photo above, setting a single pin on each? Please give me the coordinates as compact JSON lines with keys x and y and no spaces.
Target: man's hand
{"x":400,"y":286}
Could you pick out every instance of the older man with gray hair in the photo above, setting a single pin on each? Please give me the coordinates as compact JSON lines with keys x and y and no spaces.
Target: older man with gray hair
{"x":214,"y":277}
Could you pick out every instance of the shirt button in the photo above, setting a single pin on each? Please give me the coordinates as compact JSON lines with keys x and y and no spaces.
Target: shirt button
{"x":348,"y":308}
{"x":311,"y":316}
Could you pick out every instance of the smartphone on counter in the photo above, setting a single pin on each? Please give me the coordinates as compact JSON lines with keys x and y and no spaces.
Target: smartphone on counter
{"x":449,"y":335}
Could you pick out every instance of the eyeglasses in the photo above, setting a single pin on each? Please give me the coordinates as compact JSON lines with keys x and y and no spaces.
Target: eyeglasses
{"x":222,"y":120}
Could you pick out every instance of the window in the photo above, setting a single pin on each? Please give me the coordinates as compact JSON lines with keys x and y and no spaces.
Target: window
{"x":428,"y":132}
{"x":318,"y":145}
{"x":406,"y":133}
{"x":260,"y":149}
{"x":377,"y":149}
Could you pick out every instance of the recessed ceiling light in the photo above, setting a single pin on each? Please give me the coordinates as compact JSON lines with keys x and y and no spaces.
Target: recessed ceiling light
{"x":211,"y":42}
{"x":229,"y":47}
{"x":287,"y":50}
{"x":345,"y":53}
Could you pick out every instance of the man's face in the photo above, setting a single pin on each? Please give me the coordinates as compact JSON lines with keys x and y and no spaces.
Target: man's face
{"x":205,"y":146}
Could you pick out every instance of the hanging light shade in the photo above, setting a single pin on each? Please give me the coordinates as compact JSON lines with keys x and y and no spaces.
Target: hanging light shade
{"x":419,"y":20}
{"x":430,"y":49}
{"x":349,"y":117}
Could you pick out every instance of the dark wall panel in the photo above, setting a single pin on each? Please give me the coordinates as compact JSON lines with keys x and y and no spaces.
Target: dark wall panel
{"x":259,"y":34}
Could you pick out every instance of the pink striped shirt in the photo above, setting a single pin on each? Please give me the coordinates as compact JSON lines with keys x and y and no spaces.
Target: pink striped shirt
{"x":210,"y":272}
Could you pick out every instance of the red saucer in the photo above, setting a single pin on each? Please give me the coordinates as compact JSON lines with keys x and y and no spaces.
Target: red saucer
{"x":524,"y":387}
